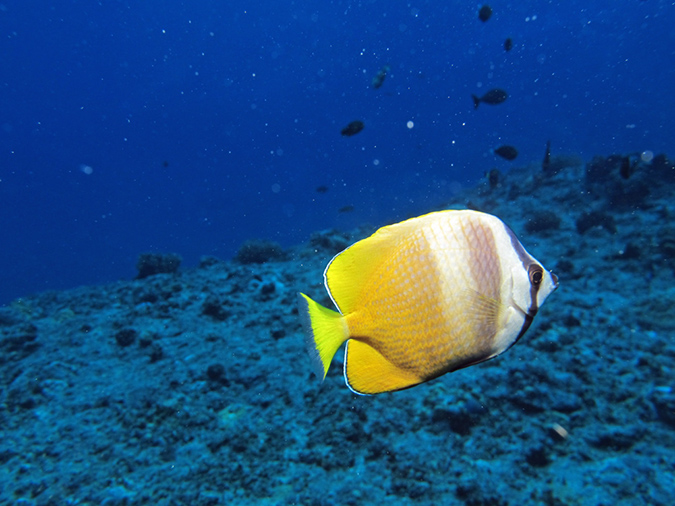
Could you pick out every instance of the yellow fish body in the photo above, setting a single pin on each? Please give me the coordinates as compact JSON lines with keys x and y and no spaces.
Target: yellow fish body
{"x":424,"y":297}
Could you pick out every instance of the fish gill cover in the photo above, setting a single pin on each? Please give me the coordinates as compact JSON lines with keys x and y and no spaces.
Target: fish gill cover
{"x":201,"y":128}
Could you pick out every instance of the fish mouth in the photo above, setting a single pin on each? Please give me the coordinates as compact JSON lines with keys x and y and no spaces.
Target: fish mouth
{"x":554,"y":278}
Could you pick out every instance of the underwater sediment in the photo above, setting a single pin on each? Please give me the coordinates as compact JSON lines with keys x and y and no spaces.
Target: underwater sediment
{"x":193,"y":386}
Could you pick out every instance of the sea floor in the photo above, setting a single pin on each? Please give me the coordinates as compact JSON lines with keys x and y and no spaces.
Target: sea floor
{"x":194,"y":387}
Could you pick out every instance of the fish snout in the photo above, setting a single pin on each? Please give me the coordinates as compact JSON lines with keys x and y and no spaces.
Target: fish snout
{"x":554,"y":278}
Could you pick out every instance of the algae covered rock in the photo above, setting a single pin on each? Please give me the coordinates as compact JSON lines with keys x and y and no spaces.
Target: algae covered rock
{"x":594,"y":219}
{"x":542,"y":221}
{"x":656,"y":310}
{"x":257,"y":251}
{"x":150,"y":264}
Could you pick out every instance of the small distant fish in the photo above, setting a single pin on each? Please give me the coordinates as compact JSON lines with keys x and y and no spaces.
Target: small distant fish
{"x":165,"y":164}
{"x":378,"y":80}
{"x":422,"y":298}
{"x":484,"y":13}
{"x":508,"y":44}
{"x":546,"y":162}
{"x":627,"y":167}
{"x":346,"y":209}
{"x":321,"y":189}
{"x":494,"y":178}
{"x":507,"y":152}
{"x":492,"y":97}
{"x":353,"y":128}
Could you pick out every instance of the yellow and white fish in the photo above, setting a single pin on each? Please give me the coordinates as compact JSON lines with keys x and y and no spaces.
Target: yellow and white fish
{"x":424,"y":297}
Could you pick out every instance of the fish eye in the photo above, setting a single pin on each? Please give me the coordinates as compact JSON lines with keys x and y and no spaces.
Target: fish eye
{"x":536,"y":274}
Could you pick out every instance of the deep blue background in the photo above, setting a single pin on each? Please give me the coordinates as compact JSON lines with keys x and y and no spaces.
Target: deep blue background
{"x":245,"y":102}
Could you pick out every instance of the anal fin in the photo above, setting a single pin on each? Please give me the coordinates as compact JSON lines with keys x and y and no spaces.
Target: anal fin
{"x":368,"y":372}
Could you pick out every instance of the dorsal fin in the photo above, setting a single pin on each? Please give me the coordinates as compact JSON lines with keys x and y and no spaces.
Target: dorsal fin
{"x":348,"y":271}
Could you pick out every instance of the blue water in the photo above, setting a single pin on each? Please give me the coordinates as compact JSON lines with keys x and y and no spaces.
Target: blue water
{"x":189,"y":127}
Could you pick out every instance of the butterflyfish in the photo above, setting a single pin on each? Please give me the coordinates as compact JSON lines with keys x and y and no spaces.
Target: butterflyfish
{"x":424,"y":297}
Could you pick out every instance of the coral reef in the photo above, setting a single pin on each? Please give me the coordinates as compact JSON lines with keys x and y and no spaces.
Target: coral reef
{"x":256,"y":251}
{"x":196,"y":389}
{"x":150,"y":264}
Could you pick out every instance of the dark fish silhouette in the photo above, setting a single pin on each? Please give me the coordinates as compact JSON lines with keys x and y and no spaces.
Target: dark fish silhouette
{"x":346,"y":209}
{"x":353,"y":128}
{"x":508,"y":44}
{"x":484,"y":13}
{"x":494,"y":178}
{"x":507,"y":152}
{"x":627,"y":168}
{"x":492,"y":97}
{"x":322,"y":189}
{"x":378,"y":80}
{"x":546,"y":162}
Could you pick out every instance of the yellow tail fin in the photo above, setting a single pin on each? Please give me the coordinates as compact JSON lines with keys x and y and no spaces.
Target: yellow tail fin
{"x":325,"y":331}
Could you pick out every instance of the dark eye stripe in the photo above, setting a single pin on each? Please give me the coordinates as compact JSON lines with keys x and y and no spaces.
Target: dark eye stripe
{"x":527,"y":262}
